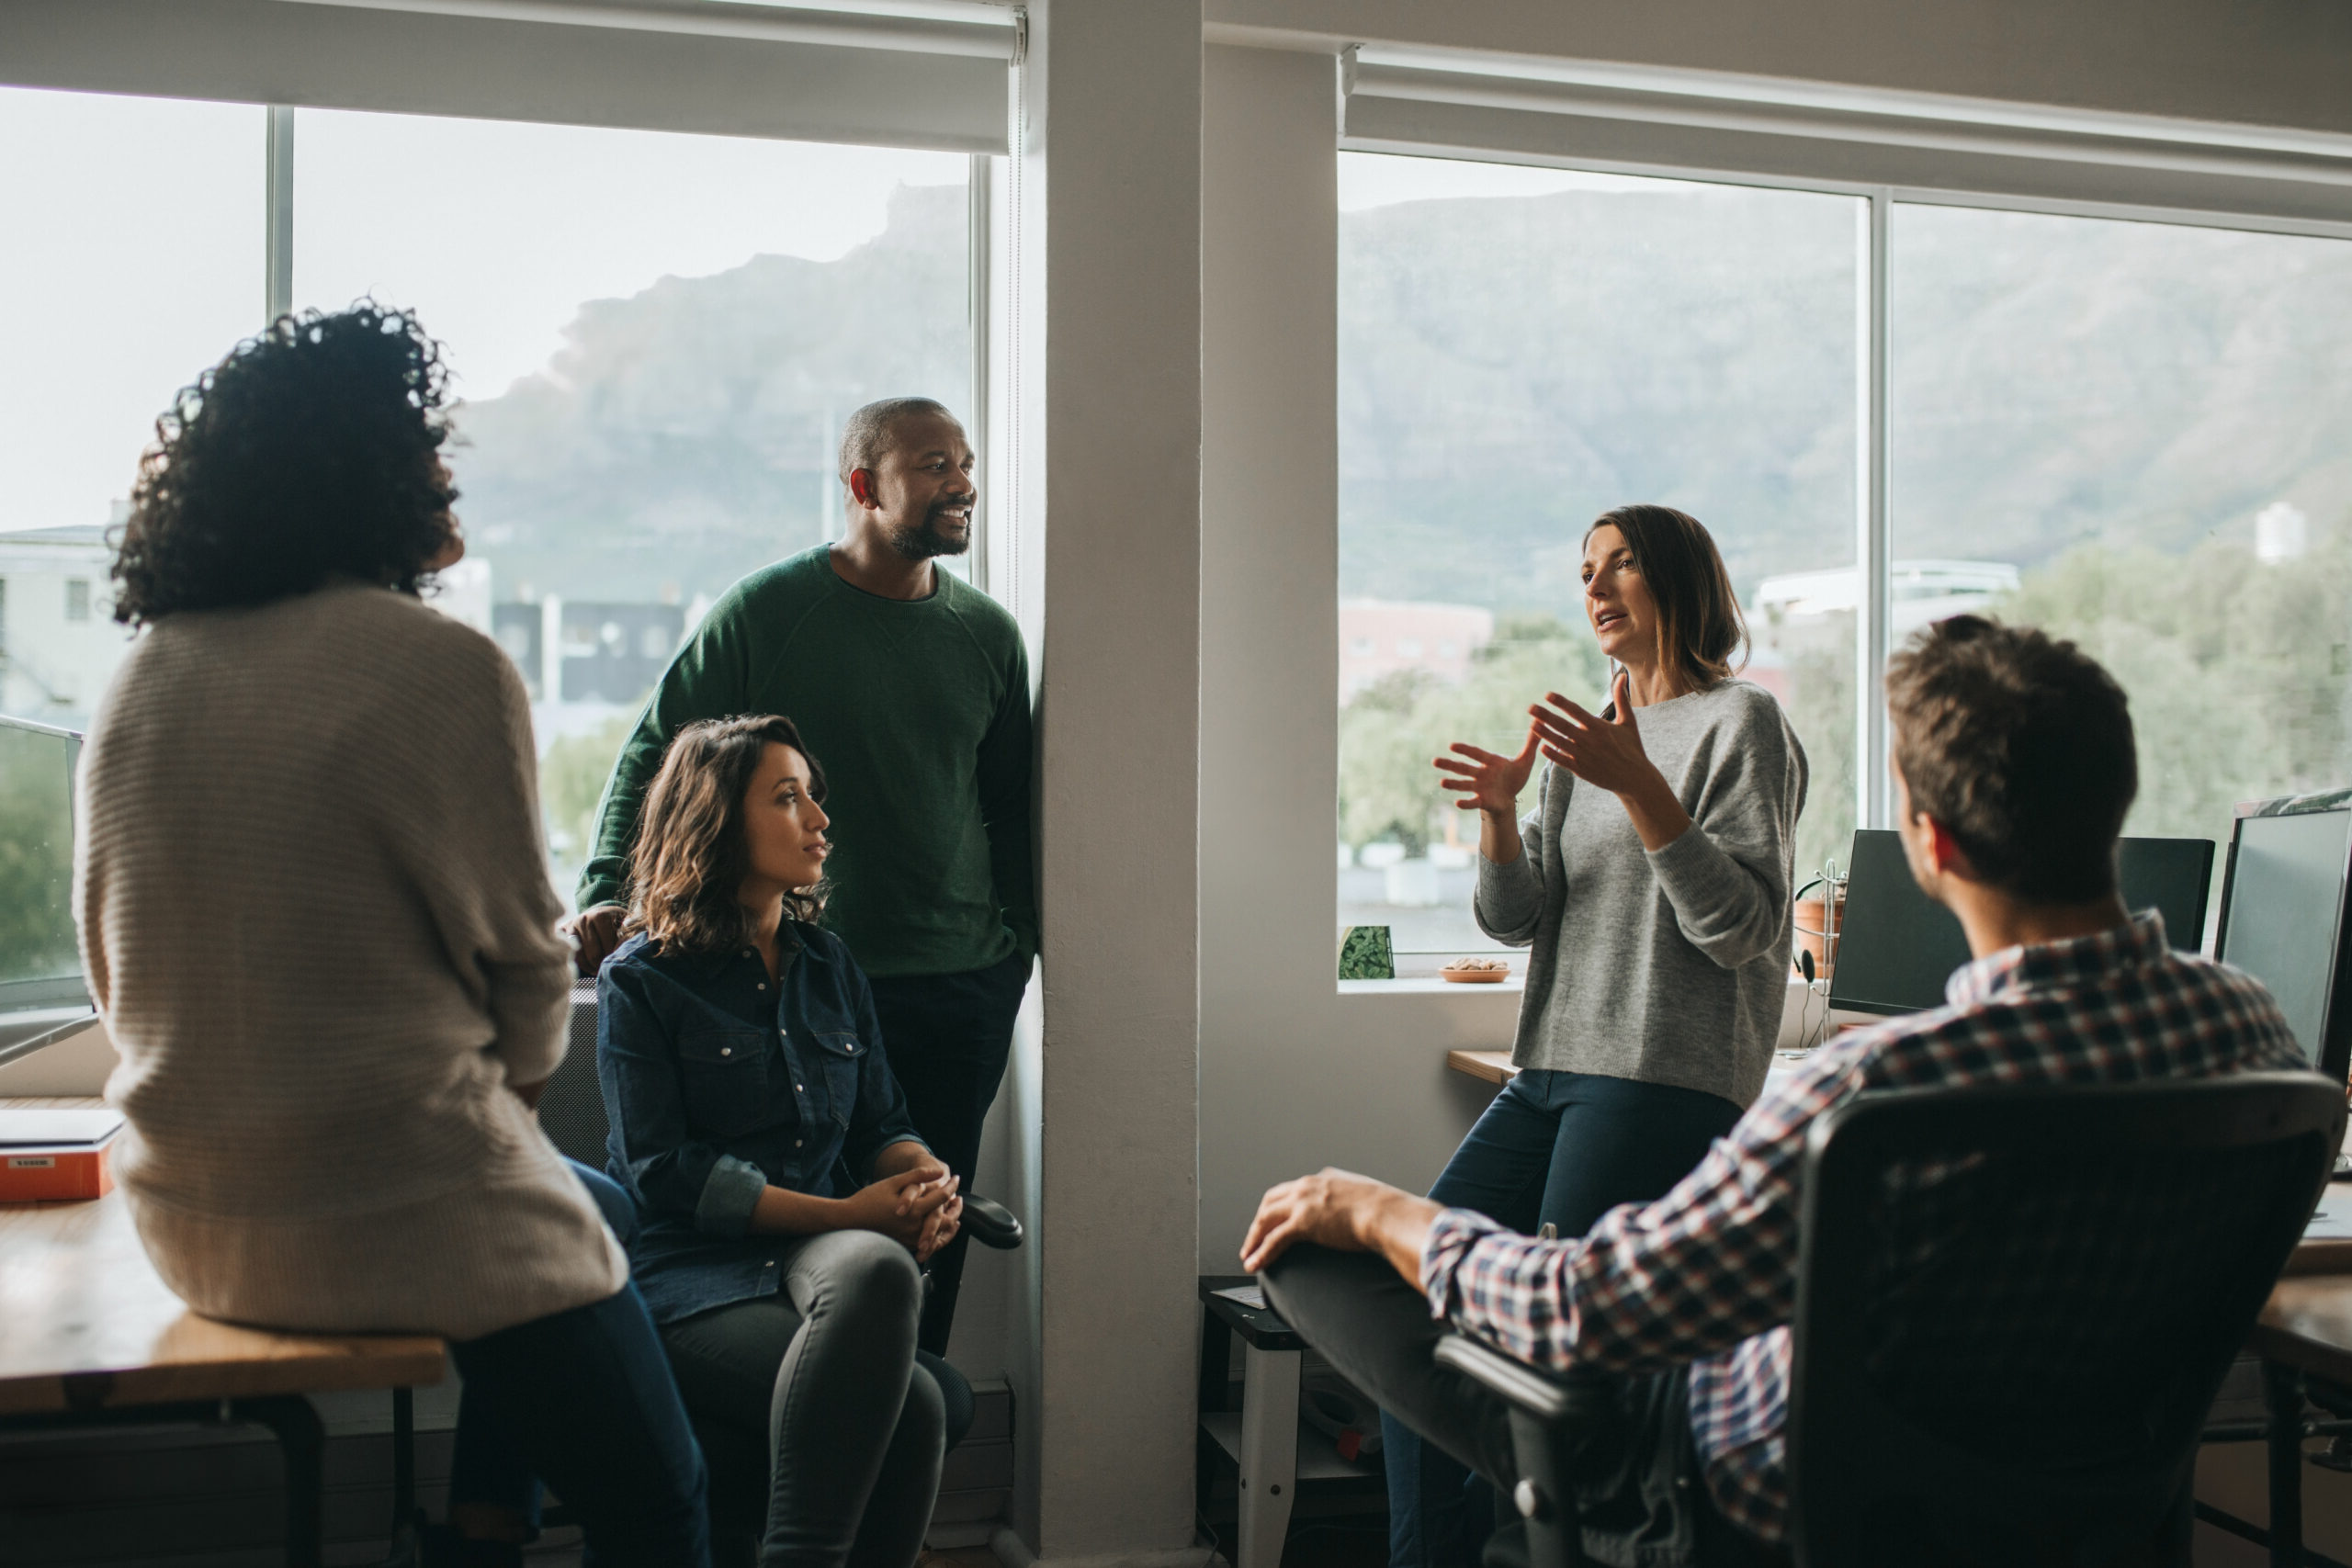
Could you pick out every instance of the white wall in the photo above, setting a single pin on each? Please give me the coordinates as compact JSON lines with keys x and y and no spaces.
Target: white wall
{"x":1294,"y":1075}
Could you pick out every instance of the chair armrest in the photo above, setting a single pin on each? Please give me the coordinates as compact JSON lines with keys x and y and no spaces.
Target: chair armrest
{"x":990,"y":1223}
{"x":1528,"y":1388}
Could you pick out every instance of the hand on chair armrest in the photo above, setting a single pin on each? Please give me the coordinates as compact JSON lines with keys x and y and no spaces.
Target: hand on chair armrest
{"x":1524,"y":1386}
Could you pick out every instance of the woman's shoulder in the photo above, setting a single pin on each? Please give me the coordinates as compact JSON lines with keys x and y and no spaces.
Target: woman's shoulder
{"x":817,"y":942}
{"x":1737,"y":703}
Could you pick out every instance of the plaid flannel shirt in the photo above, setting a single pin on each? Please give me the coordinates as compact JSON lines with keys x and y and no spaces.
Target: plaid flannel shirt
{"x":1707,"y":1274}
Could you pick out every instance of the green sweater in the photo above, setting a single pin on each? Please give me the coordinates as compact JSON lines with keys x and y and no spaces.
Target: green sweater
{"x":918,"y":710}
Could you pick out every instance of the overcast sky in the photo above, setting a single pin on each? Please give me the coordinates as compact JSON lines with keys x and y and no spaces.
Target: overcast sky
{"x":135,"y":248}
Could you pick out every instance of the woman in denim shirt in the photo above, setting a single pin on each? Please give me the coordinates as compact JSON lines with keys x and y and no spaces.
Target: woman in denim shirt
{"x":784,"y":1200}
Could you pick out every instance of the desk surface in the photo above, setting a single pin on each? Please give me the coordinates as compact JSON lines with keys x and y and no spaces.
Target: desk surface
{"x":2308,"y":1325}
{"x":86,"y":1324}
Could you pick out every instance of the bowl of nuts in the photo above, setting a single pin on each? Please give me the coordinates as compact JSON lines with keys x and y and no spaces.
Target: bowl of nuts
{"x":1476,"y":971}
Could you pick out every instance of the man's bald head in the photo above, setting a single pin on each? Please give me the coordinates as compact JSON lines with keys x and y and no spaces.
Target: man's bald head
{"x":872,"y":429}
{"x":908,"y":472}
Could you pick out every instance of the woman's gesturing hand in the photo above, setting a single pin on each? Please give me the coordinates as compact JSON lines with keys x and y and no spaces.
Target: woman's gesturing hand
{"x":1489,"y":781}
{"x":1606,"y":753}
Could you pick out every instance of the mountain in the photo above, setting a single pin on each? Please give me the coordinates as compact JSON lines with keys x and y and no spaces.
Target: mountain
{"x":1508,"y":369}
{"x":684,"y":436}
{"x":1512,"y":367}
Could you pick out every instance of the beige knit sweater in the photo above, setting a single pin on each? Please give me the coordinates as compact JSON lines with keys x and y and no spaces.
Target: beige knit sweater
{"x":314,"y":915}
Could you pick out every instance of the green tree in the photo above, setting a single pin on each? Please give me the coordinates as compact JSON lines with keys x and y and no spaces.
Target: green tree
{"x":2237,"y":668}
{"x":572,"y":781}
{"x":36,"y":860}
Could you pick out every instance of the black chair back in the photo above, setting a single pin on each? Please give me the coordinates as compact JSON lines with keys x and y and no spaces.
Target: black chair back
{"x":571,"y":1108}
{"x":2015,"y":1306}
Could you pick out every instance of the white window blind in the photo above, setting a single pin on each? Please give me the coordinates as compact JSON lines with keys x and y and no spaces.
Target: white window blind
{"x":1644,"y":119}
{"x":934,"y":75}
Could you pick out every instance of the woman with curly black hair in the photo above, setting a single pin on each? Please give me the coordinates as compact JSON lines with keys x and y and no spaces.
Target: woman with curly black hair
{"x":316,"y":918}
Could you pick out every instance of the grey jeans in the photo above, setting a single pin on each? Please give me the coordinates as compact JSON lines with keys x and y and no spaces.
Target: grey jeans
{"x":856,"y":1429}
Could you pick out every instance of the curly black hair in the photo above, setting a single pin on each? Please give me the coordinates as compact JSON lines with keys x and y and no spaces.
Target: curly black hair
{"x":309,"y":451}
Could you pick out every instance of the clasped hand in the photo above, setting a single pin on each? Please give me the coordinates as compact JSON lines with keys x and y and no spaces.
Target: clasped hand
{"x":918,"y":1208}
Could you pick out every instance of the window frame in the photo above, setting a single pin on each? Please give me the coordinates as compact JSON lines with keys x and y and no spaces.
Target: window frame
{"x":278,"y":283}
{"x":1874,"y":802}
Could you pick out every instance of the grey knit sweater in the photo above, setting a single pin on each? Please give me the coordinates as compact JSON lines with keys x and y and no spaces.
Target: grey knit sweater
{"x":1667,"y":966}
{"x":314,"y":914}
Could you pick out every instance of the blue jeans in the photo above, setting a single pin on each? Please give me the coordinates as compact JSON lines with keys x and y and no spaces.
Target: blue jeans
{"x":585,"y":1399}
{"x":1558,"y":1148}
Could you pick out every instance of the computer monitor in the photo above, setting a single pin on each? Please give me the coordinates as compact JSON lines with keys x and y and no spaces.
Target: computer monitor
{"x":2282,"y":916}
{"x":41,"y":994}
{"x":1897,"y":946}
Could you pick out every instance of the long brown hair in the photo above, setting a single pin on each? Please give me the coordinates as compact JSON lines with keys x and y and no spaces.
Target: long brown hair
{"x":1700,"y":629}
{"x":689,"y":860}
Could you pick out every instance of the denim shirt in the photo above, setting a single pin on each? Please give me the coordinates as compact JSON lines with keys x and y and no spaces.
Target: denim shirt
{"x":719,"y":1085}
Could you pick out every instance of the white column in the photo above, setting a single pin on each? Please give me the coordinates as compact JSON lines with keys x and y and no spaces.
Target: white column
{"x":1107,"y":408}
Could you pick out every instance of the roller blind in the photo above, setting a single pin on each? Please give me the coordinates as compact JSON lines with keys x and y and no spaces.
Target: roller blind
{"x":933,"y":76}
{"x":1702,"y":122}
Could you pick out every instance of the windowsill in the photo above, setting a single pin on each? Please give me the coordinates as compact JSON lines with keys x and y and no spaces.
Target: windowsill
{"x":1427,"y":984}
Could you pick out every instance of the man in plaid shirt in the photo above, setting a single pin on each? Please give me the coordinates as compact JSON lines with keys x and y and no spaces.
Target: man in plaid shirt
{"x":2015,"y":767}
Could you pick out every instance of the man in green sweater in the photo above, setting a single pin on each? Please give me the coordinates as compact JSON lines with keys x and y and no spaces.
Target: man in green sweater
{"x":913,"y":689}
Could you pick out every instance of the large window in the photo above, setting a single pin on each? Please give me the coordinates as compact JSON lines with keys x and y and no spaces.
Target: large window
{"x":2145,"y":429}
{"x":1521,"y":349}
{"x":2135,"y":434}
{"x":656,"y":338}
{"x":132,"y":258}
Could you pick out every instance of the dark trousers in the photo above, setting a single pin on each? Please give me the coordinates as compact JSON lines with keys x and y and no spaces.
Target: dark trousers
{"x":948,"y":1037}
{"x":1557,"y":1148}
{"x":585,"y":1399}
{"x":1633,"y":1431}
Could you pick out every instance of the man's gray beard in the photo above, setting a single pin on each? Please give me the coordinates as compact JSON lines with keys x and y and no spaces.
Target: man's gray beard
{"x":923,"y":541}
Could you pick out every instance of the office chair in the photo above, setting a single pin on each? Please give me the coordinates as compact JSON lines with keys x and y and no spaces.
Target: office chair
{"x":572,"y":1112}
{"x":2014,"y":1308}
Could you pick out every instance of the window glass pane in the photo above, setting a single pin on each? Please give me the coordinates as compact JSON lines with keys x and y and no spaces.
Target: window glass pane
{"x":657,"y":338}
{"x":1520,"y":350}
{"x":133,"y":260}
{"x":2139,"y":436}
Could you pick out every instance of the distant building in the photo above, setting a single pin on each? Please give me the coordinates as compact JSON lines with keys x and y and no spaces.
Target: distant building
{"x":1801,"y":613}
{"x":1922,"y":591}
{"x":2282,"y":533}
{"x":594,"y":651}
{"x":1379,"y":636}
{"x":58,"y":642}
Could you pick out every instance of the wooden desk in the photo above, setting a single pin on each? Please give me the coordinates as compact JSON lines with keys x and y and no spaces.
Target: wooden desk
{"x":89,"y":1336}
{"x":2306,"y":1329}
{"x":1490,"y":1066}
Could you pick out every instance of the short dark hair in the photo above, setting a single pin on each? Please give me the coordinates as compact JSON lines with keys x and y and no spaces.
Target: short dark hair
{"x":689,"y":860}
{"x":868,"y":434}
{"x":1700,"y":629}
{"x":2021,"y":746}
{"x":311,"y":450}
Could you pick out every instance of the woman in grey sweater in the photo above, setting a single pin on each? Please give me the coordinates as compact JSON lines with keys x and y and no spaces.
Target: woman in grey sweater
{"x":1651,"y":883}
